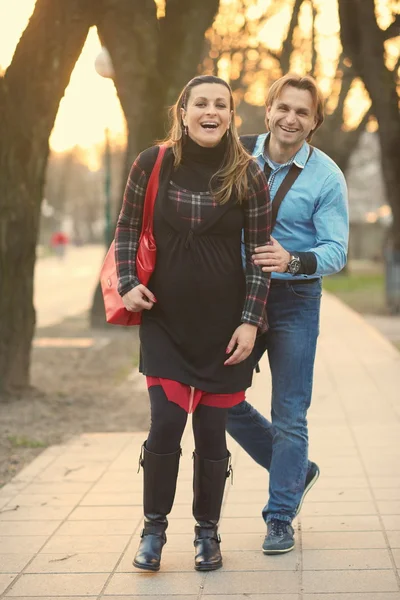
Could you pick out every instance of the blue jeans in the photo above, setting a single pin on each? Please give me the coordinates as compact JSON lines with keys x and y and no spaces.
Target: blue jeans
{"x":281,"y":446}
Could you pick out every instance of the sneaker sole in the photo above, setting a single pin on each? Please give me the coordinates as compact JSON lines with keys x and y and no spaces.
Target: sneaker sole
{"x":284,"y":551}
{"x":307,"y":489}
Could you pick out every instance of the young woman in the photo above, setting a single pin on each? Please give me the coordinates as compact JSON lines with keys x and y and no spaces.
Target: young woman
{"x":201,"y":309}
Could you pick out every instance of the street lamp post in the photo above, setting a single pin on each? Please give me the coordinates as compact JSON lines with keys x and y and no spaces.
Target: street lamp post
{"x":104,"y":67}
{"x":107,"y":188}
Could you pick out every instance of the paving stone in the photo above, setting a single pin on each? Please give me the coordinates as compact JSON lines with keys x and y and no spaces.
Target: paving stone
{"x":59,"y":488}
{"x":343,"y":540}
{"x":250,"y":582}
{"x":27,"y":528}
{"x":265,"y":596}
{"x":42,"y":500}
{"x":67,"y":544}
{"x":341,"y":523}
{"x":19,"y":544}
{"x":314,"y":560}
{"x":53,"y":585}
{"x":342,"y":483}
{"x":387,"y":493}
{"x":396,"y":556}
{"x":35,"y":513}
{"x":161,"y":584}
{"x":394,"y":538}
{"x":74,"y":471}
{"x":98,"y":527}
{"x":74,"y":562}
{"x":385,"y":482}
{"x":389,"y":507}
{"x":52,"y":597}
{"x":13,"y":563}
{"x":349,"y":581}
{"x":166,"y":597}
{"x":106,"y":513}
{"x":318,"y":495}
{"x":114,"y":499}
{"x":5,"y":580}
{"x":337,"y":508}
{"x":391,"y":522}
{"x":354,"y":596}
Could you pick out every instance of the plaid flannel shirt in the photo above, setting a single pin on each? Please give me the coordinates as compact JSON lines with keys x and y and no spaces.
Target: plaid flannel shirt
{"x":195,"y":206}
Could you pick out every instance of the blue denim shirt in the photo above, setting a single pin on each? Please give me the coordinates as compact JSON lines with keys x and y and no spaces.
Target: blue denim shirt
{"x":314,"y":213}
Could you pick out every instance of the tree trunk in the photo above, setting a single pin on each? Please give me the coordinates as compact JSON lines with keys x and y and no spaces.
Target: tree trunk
{"x":153,"y":59}
{"x":30,"y":93}
{"x":363,"y":42}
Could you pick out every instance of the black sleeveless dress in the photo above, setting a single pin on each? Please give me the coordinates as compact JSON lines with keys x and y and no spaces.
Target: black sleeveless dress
{"x":199,"y":283}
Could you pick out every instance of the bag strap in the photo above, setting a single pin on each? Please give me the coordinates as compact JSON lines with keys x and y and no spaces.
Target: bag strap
{"x":152,"y":190}
{"x":285,"y":186}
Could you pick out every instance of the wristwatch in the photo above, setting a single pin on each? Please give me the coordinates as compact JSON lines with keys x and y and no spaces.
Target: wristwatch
{"x":293,"y":266}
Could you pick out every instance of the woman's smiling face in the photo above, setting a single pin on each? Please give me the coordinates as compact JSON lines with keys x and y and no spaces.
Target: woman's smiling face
{"x":207,"y":114}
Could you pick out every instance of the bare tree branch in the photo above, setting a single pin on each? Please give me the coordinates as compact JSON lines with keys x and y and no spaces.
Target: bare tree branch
{"x":287,"y":46}
{"x":393,"y":30}
{"x":363,"y":42}
{"x":313,"y":47}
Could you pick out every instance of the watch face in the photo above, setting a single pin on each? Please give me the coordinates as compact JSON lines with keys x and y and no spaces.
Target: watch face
{"x":294,"y":265}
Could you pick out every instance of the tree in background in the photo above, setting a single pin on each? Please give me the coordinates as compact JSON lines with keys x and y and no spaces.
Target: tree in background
{"x":30,"y":93}
{"x":365,"y":44}
{"x":235,"y":51}
{"x":153,"y":55}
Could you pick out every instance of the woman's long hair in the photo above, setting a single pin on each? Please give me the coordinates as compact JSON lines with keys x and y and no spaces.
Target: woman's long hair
{"x":232,"y":175}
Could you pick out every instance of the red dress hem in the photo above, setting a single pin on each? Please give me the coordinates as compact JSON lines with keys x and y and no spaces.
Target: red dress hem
{"x":189,"y":398}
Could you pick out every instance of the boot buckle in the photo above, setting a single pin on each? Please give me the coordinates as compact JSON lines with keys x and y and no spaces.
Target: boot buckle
{"x":141,"y":457}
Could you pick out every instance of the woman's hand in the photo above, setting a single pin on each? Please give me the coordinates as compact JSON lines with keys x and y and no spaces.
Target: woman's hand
{"x":243,"y":337}
{"x":139,"y":298}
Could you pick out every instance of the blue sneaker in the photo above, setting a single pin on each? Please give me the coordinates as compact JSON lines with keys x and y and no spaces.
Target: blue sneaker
{"x":279,"y":538}
{"x":311,"y":477}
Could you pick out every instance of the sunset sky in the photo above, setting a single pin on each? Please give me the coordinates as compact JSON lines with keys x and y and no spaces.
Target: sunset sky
{"x":90,"y":103}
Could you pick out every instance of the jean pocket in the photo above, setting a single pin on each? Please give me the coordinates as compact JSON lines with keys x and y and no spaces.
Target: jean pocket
{"x":307,"y":291}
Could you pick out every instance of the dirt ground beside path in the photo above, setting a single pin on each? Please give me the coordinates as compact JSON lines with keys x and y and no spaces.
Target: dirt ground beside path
{"x":74,"y":390}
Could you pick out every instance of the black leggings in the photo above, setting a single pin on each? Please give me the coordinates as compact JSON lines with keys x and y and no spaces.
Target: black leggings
{"x":168,"y":421}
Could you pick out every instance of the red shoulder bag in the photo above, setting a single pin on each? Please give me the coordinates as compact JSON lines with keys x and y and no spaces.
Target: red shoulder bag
{"x":116,"y":312}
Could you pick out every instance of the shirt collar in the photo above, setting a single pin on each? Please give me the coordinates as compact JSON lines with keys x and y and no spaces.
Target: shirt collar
{"x":299,"y":159}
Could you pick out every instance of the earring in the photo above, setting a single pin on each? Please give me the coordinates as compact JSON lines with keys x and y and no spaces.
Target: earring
{"x":185,"y":129}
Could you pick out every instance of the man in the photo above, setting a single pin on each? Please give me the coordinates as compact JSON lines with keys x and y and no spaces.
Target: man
{"x":309,"y":240}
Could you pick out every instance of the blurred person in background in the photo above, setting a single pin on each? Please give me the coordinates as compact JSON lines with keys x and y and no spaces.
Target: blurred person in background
{"x":58,"y":242}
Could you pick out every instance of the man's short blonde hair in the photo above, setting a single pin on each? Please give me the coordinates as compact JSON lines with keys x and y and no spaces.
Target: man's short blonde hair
{"x":307,"y":83}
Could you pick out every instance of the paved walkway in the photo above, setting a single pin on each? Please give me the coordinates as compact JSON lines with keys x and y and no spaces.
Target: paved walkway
{"x":69,"y":522}
{"x":64,"y":288}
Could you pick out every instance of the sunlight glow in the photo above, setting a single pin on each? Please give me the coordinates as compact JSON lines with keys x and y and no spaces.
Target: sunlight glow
{"x":91,"y":105}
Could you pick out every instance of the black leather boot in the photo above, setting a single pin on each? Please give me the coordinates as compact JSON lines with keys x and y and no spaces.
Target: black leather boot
{"x":160,"y":472}
{"x":208,"y":491}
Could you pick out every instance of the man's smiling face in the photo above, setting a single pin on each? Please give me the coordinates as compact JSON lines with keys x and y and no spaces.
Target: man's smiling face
{"x":291,"y":117}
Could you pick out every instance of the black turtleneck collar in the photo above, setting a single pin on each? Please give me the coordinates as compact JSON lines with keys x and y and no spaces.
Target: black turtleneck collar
{"x":213,"y":157}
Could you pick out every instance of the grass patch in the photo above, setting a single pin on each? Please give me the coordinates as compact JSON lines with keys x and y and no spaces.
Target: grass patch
{"x":364,"y":292}
{"x":17,"y":441}
{"x":123,"y":372}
